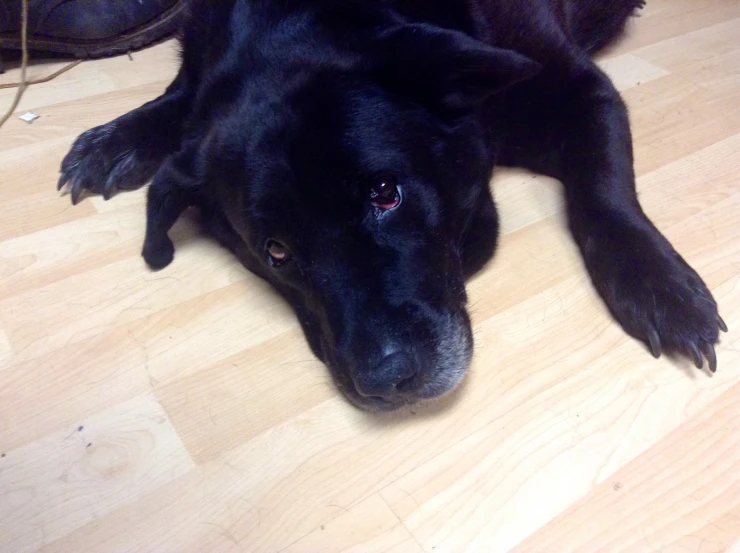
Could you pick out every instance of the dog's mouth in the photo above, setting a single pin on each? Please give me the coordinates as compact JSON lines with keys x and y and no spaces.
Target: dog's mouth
{"x":448,"y":360}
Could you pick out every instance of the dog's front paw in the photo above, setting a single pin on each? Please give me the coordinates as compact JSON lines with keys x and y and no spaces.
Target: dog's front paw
{"x":158,"y":254}
{"x":655,"y":295}
{"x":103,"y":160}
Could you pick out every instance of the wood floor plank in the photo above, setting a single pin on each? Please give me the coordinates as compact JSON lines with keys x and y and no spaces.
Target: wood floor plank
{"x":374,"y":528}
{"x":58,"y":389}
{"x":83,"y":471}
{"x":35,"y":260}
{"x":686,"y":486}
{"x":90,"y":79}
{"x":6,"y":351}
{"x":67,"y":119}
{"x":673,"y":117}
{"x":696,"y":47}
{"x":94,"y":302}
{"x":28,"y":201}
{"x":663,"y":20}
{"x":241,"y":398}
{"x":628,"y":71}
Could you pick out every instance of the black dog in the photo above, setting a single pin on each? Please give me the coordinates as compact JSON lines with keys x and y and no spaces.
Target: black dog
{"x":343,"y":150}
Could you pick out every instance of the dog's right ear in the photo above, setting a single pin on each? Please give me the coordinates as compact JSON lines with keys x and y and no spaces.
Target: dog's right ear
{"x":444,"y":69}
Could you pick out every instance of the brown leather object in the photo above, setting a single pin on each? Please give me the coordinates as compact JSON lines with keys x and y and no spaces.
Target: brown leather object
{"x":89,"y":28}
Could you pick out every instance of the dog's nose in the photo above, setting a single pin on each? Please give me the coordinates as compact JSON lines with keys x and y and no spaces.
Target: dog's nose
{"x":393,"y":376}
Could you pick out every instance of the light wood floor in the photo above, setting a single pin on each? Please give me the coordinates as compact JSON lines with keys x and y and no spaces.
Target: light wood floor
{"x":183,"y":412}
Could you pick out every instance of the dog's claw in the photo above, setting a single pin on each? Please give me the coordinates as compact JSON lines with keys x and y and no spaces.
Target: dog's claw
{"x":711,"y":356}
{"x":696,"y":356}
{"x":108,"y":189}
{"x":62,"y":181}
{"x":722,"y":325}
{"x":654,"y":340}
{"x":76,"y":191}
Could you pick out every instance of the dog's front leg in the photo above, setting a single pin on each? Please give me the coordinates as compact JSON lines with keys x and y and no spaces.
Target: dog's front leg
{"x":579,"y":132}
{"x":168,"y":196}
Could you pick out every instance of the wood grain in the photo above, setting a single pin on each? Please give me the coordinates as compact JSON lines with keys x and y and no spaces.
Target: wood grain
{"x":692,"y":473}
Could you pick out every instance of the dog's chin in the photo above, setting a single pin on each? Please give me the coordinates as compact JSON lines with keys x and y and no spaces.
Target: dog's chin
{"x":374,"y":404}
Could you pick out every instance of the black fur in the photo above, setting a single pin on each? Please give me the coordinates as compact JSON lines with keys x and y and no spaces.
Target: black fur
{"x":286,"y":115}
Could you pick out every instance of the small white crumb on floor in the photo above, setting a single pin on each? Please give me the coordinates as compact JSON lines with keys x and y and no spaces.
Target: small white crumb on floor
{"x":29,"y":117}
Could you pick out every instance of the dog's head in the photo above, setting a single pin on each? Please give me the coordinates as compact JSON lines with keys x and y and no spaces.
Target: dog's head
{"x":354,"y":182}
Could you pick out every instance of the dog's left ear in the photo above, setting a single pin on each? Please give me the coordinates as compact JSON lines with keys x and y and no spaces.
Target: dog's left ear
{"x":446,"y":69}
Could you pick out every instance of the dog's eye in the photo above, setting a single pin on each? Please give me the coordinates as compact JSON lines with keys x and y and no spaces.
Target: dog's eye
{"x":277,"y":253}
{"x":384,"y":193}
